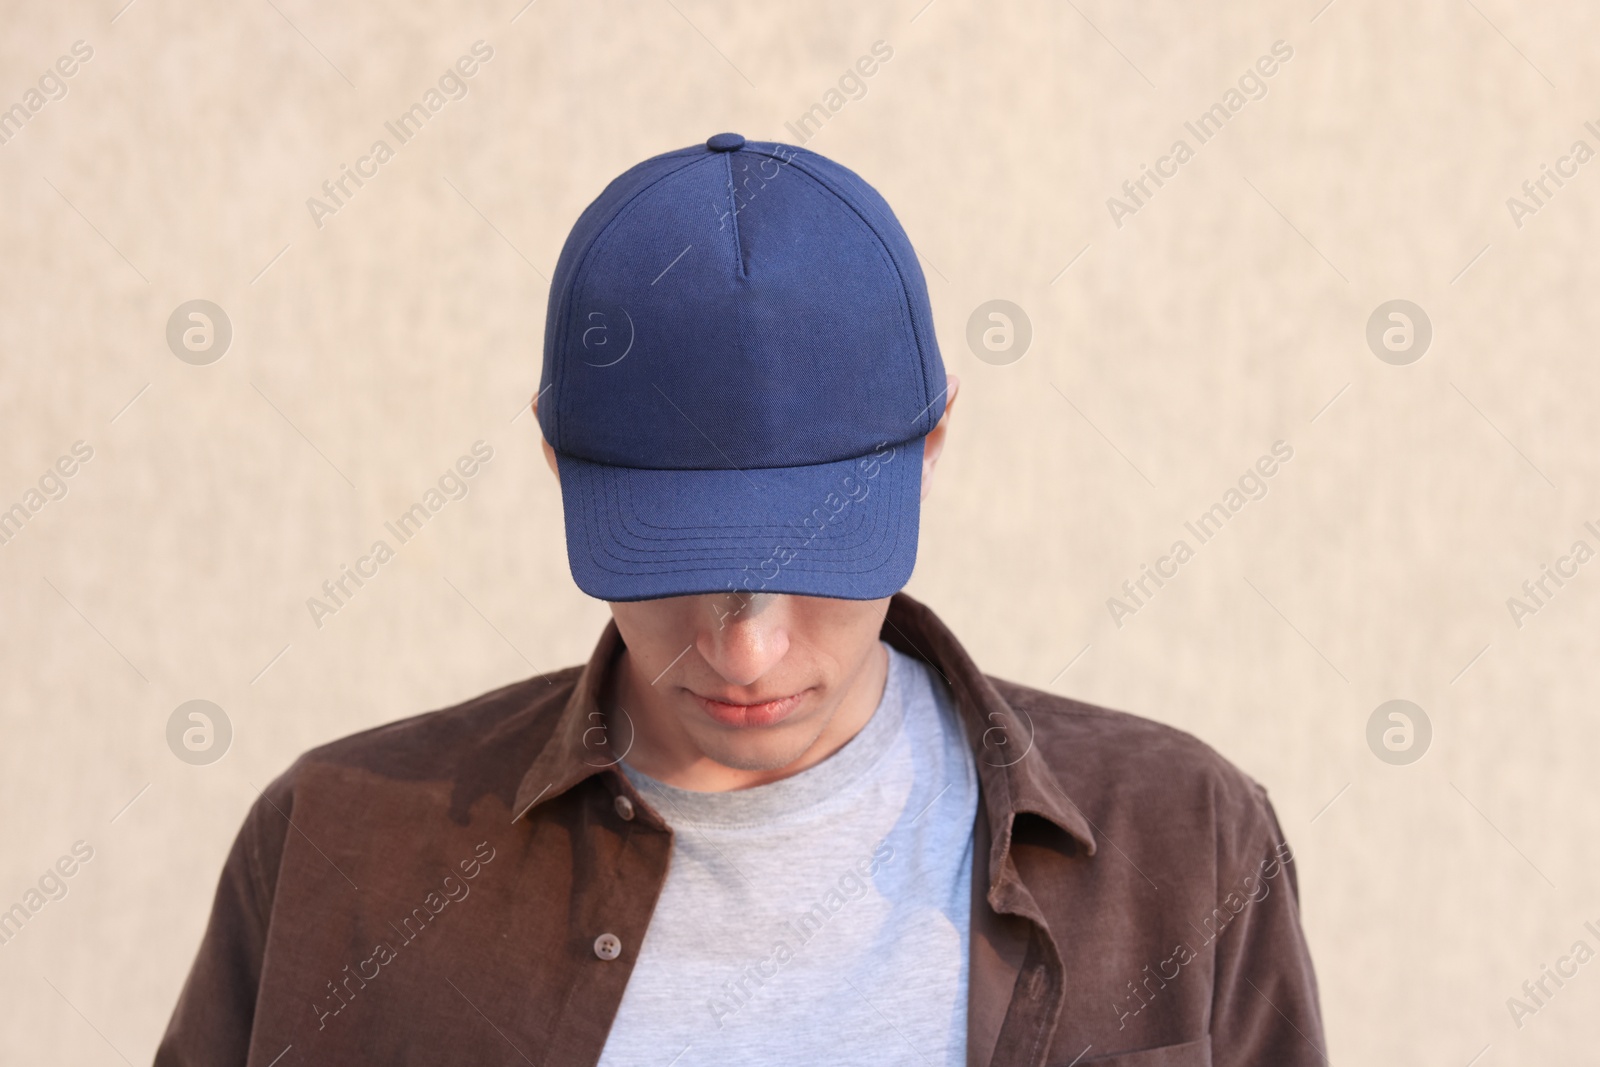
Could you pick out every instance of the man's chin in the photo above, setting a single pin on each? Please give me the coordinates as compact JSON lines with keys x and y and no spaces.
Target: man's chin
{"x":748,"y":751}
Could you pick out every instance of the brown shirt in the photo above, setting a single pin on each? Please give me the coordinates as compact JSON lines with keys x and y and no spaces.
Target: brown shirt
{"x":472,"y":886}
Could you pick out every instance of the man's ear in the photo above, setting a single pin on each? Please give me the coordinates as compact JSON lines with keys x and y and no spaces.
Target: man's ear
{"x":933,"y":446}
{"x":550,"y":453}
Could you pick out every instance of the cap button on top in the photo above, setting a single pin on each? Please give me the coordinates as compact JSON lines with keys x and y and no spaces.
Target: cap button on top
{"x":724,"y":142}
{"x":624,"y":808}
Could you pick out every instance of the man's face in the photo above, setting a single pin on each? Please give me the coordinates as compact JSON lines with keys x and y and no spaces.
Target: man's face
{"x":750,"y":681}
{"x":753,"y":682}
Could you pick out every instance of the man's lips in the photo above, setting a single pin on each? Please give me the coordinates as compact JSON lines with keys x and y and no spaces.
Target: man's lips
{"x":766,"y":713}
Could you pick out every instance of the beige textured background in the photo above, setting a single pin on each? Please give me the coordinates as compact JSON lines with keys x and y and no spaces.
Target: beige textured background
{"x":1228,"y":313}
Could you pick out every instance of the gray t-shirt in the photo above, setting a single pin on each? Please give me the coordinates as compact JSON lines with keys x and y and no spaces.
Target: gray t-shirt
{"x":820,"y":919}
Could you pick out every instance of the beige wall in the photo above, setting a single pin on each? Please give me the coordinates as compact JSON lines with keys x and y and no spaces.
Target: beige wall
{"x":1223,"y":315}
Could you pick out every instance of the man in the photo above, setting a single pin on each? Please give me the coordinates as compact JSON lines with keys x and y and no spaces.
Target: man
{"x":780,"y":817}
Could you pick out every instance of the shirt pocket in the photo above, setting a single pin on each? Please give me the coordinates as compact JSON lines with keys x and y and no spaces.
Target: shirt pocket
{"x":1189,"y":1054}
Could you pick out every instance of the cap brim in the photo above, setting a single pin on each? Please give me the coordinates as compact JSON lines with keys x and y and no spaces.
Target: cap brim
{"x":846,"y":529}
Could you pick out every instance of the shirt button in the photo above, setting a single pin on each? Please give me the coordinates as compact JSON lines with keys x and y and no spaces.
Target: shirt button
{"x":607,"y":946}
{"x":624,"y":808}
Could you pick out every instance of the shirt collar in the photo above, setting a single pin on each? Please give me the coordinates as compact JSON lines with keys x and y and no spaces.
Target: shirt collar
{"x":580,"y":746}
{"x":1013,"y":774}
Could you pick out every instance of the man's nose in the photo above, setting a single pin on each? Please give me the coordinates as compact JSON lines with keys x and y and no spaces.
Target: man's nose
{"x":744,"y":643}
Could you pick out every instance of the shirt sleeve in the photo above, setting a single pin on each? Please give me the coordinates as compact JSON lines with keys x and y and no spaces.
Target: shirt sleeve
{"x":1265,"y":1004}
{"x":211,"y":1025}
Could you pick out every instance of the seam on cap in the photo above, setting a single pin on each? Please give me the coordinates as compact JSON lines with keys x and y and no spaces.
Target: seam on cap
{"x":910,"y":306}
{"x":578,"y":273}
{"x":733,"y":215}
{"x":595,"y":533}
{"x":603,"y":498}
{"x":846,"y":536}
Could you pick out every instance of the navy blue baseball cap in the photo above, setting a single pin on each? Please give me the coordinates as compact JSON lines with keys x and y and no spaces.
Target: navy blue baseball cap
{"x":739,"y":372}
